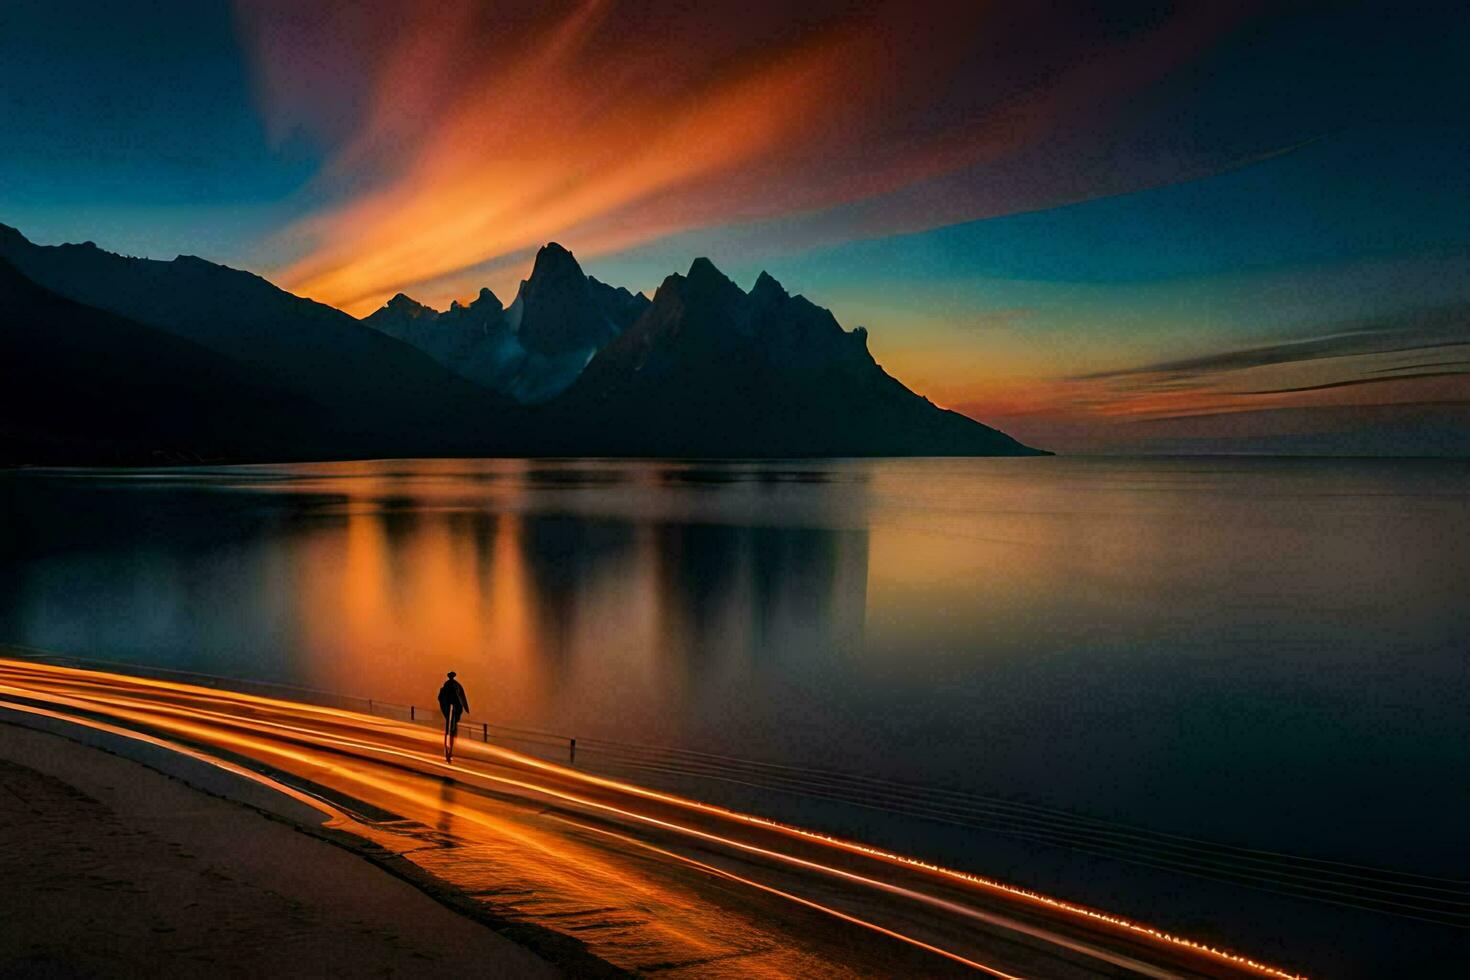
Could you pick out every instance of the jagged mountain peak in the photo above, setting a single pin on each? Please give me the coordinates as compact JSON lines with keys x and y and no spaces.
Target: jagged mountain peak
{"x":403,"y":303}
{"x":554,"y":262}
{"x":767,"y":290}
{"x":704,"y":283}
{"x":669,"y":287}
{"x":704,"y":369}
{"x":555,"y":271}
{"x":708,"y":289}
{"x":703,"y":274}
{"x":758,"y":373}
{"x":556,"y":311}
{"x":535,"y":348}
{"x":485,"y":311}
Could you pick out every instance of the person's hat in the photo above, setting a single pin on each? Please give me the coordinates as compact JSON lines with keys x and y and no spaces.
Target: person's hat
{"x":451,"y":673}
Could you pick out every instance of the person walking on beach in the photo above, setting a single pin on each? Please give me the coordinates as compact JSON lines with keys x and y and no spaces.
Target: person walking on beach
{"x":453,"y":703}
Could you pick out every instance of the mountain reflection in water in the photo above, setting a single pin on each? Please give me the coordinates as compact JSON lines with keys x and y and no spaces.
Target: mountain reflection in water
{"x":1266,"y":652}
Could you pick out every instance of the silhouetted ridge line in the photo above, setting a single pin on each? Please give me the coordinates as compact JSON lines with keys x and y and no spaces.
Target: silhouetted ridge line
{"x":79,"y":381}
{"x":572,"y":367}
{"x":760,"y":374}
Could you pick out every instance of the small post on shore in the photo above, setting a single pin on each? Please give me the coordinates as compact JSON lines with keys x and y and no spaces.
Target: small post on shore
{"x":411,"y":715}
{"x":485,"y":731}
{"x":370,"y":705}
{"x":572,"y":752}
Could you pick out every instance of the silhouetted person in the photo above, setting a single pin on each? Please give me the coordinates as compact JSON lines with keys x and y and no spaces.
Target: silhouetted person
{"x":453,"y":703}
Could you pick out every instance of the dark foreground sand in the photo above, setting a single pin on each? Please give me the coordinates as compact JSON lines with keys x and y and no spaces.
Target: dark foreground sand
{"x":109,"y":868}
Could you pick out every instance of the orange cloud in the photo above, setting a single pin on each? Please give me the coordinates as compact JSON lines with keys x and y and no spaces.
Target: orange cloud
{"x":1093,"y":411}
{"x":464,"y":135}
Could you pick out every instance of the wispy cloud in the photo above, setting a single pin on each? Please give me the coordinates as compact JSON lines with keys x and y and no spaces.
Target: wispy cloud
{"x":1352,"y":382}
{"x":464,"y":132}
{"x":1426,"y":364}
{"x":1359,"y":365}
{"x":1403,"y":332}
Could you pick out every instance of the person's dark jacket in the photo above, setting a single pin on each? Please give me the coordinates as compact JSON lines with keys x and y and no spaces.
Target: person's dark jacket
{"x":451,"y":695}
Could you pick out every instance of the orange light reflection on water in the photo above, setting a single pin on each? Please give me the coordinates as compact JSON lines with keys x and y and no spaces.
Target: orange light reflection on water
{"x":439,"y":592}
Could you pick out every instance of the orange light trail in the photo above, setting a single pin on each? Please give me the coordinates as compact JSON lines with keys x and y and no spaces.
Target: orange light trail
{"x":711,"y":869}
{"x":960,"y":909}
{"x":379,"y":759}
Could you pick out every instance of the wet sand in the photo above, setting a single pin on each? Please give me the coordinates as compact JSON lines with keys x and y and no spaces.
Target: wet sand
{"x":114,"y":869}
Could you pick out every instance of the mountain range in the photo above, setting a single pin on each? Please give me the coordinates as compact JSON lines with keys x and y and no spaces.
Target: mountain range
{"x":535,"y":348}
{"x":106,"y":358}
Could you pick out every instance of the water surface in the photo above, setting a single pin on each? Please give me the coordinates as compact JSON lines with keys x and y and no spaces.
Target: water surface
{"x":1271,"y":653}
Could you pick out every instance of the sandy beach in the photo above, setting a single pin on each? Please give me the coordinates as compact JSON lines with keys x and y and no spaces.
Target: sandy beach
{"x":114,"y":869}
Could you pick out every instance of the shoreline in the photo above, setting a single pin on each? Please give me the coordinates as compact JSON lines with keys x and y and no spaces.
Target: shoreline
{"x":619,"y":873}
{"x":234,"y":878}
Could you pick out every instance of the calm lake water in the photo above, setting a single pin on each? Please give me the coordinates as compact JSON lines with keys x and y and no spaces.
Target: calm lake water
{"x":1270,"y":653}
